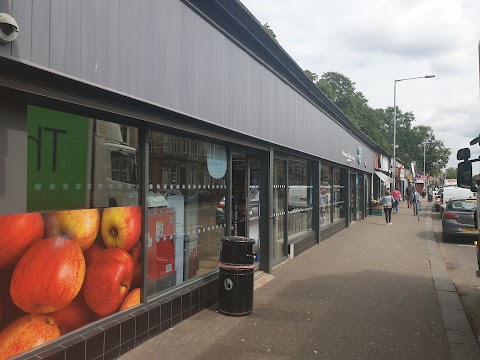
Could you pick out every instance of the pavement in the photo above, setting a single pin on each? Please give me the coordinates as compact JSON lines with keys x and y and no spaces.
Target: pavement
{"x":369,"y":292}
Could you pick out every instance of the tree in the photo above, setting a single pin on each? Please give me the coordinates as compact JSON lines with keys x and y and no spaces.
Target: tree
{"x":451,"y":173}
{"x":312,"y":76}
{"x":269,"y":31}
{"x":378,"y":124}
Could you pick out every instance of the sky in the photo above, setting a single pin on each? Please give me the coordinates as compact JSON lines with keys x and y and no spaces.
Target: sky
{"x":374,"y":42}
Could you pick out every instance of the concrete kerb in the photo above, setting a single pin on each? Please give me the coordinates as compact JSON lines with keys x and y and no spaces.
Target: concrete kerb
{"x":460,"y":337}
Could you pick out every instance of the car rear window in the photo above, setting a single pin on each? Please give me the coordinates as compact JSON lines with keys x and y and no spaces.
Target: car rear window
{"x":463,"y":205}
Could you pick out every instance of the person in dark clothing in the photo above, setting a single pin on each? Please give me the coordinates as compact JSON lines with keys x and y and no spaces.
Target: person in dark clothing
{"x":408,"y":192}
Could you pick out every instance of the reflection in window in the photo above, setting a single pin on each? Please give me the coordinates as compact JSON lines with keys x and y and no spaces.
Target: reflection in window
{"x":299,"y":197}
{"x":338,"y":196}
{"x":279,"y":193}
{"x":123,"y":167}
{"x":94,"y":162}
{"x":326,"y":195}
{"x":186,"y":218}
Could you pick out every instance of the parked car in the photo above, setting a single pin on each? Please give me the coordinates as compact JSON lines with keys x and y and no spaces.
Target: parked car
{"x":454,"y":192}
{"x":437,"y":198}
{"x":458,"y":219}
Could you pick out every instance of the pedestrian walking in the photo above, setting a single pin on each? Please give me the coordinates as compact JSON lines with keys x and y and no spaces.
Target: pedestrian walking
{"x":387,"y":202}
{"x":396,"y":199}
{"x":415,"y":200}
{"x":408,"y":192}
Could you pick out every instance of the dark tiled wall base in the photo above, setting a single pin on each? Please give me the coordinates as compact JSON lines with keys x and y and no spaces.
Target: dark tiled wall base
{"x":123,"y":334}
{"x":332,"y":230}
{"x":304,"y":244}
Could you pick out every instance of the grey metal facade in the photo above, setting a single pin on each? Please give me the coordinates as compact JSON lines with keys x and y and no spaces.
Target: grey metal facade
{"x":165,"y":53}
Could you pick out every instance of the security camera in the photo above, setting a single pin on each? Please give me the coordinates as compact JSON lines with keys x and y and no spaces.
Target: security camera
{"x":8,"y":28}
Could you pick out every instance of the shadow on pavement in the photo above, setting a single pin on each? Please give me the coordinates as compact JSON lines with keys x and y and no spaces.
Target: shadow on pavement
{"x":359,"y":315}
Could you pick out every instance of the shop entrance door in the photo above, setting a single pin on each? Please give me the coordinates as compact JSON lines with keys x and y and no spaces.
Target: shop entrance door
{"x":353,"y":197}
{"x":246,"y":197}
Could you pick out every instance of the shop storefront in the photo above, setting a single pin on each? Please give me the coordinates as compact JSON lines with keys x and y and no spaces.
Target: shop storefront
{"x":118,"y":190}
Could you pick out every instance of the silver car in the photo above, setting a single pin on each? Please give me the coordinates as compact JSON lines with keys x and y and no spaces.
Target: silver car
{"x":458,"y":219}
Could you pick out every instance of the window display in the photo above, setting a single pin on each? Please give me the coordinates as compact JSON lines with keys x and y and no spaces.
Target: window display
{"x":186,"y":218}
{"x":338,"y":195}
{"x":279,"y":194}
{"x":299,"y":197}
{"x":326,"y":195}
{"x":74,"y":257}
{"x":65,"y":269}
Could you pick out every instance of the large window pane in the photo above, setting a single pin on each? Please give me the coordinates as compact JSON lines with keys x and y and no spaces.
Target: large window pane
{"x":74,"y":256}
{"x":326,"y":196}
{"x":299,"y":197}
{"x":338,"y":196}
{"x":186,"y":218}
{"x":279,"y":193}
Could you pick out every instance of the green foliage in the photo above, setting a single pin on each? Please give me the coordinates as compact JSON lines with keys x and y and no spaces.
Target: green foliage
{"x":269,"y":31}
{"x":311,"y":75}
{"x":451,"y":173}
{"x":378,"y":124}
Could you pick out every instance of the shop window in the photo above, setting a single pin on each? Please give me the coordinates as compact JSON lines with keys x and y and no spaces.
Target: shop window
{"x":338,"y":195}
{"x":299,"y":197}
{"x":278,"y":216}
{"x":326,"y":192}
{"x":124,"y":167}
{"x":186,"y":223}
{"x":75,"y":254}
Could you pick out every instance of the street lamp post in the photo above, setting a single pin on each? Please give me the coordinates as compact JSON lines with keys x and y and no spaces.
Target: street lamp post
{"x":424,"y":174}
{"x":395,"y":120}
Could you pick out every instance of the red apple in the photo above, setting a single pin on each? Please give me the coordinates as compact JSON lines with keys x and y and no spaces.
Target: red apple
{"x":73,"y":316}
{"x":9,"y":311}
{"x":26,"y":333}
{"x":132,"y":299}
{"x":17,"y":233}
{"x":121,"y":226}
{"x":48,"y":276}
{"x":137,"y":274}
{"x":78,"y":225}
{"x":92,"y":252}
{"x":136,"y":252}
{"x":108,"y":280}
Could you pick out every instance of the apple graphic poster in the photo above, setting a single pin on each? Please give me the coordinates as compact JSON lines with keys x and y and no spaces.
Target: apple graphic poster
{"x":61,"y":270}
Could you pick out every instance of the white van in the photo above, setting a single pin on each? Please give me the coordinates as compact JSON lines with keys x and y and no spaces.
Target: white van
{"x":452,"y":192}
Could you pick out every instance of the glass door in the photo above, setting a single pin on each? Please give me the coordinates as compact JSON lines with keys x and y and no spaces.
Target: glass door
{"x":246,"y":197}
{"x":353,"y":197}
{"x":279,"y":209}
{"x":360,"y":196}
{"x":253,"y":204}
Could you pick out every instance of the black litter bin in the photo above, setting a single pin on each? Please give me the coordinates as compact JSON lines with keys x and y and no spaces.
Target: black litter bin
{"x":236,"y":276}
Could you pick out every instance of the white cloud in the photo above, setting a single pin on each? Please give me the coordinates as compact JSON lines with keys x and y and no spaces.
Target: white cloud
{"x":374,"y":42}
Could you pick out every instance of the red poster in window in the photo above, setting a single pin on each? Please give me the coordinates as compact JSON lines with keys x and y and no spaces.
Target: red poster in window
{"x":161,"y":242}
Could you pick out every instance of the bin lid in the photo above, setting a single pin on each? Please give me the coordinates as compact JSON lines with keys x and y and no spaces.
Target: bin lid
{"x":238,"y":239}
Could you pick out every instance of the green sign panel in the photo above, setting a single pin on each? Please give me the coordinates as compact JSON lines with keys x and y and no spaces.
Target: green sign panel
{"x":58,"y":159}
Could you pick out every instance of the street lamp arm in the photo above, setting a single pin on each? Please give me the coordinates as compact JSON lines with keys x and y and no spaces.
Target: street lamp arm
{"x":418,"y":77}
{"x":395,"y":123}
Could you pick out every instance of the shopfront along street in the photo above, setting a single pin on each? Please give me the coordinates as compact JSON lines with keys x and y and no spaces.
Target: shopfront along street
{"x":369,"y":292}
{"x":160,"y":160}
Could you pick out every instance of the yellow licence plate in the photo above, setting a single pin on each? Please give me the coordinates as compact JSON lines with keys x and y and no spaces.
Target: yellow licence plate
{"x":470,"y":230}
